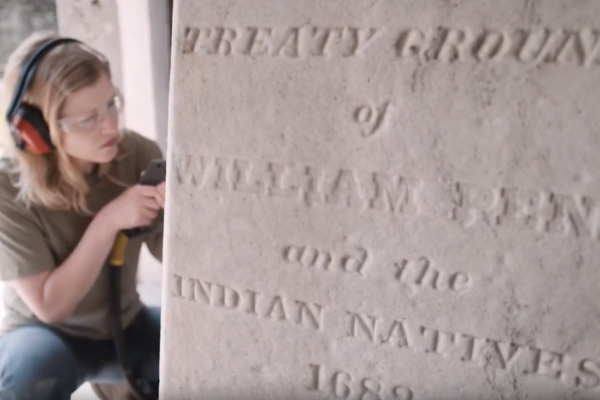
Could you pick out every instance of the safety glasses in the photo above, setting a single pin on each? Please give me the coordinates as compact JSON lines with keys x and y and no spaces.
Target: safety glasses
{"x":89,"y":122}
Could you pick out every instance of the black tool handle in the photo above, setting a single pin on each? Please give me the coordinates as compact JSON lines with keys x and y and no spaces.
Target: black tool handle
{"x":154,"y":174}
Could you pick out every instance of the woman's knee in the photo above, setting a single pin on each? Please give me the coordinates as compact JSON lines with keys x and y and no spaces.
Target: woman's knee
{"x":36,"y":364}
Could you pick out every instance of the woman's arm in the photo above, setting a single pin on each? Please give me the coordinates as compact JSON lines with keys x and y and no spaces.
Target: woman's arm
{"x":53,"y":295}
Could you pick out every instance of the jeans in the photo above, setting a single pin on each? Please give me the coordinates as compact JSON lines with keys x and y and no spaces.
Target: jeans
{"x":38,"y":363}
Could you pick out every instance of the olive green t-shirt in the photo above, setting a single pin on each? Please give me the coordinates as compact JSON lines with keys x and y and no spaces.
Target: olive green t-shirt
{"x":36,"y":239}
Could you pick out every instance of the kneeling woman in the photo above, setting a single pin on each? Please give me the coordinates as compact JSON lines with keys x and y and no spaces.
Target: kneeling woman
{"x":68,"y":184}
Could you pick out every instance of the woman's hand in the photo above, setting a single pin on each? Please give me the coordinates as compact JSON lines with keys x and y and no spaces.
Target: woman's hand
{"x":136,"y":207}
{"x":161,"y":194}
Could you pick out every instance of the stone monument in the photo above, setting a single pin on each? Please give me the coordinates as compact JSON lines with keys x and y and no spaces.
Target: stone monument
{"x":383,"y":199}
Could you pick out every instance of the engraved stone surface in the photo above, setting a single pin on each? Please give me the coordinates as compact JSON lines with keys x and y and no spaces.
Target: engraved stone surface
{"x":383,"y":199}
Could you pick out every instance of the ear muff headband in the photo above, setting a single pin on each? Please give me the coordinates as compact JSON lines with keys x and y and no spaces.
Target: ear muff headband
{"x":25,"y":77}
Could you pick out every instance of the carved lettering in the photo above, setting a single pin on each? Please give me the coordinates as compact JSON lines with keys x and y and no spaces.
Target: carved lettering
{"x":558,"y":46}
{"x":430,"y":339}
{"x":578,"y":47}
{"x":550,"y":364}
{"x":491,"y":45}
{"x":427,"y":276}
{"x":580,"y":216}
{"x":344,"y":385}
{"x":372,"y":118}
{"x":361,"y":38}
{"x":252,"y":296}
{"x":277,"y":309}
{"x":202,"y":291}
{"x":537,"y":45}
{"x":577,"y":215}
{"x":292,"y":42}
{"x":478,"y":204}
{"x":447,"y":45}
{"x":397,"y":335}
{"x":191,"y":170}
{"x":224,"y":41}
{"x":175,"y":284}
{"x":493,"y":353}
{"x":355,"y":264}
{"x":241,"y":180}
{"x":411,"y":42}
{"x":393,"y":333}
{"x":278,"y":182}
{"x":459,"y":282}
{"x":310,"y":185}
{"x":249,"y":302}
{"x":258,"y":41}
{"x":190,"y":37}
{"x":588,"y":40}
{"x":589,"y":374}
{"x":315,"y":377}
{"x":310,"y":315}
{"x":487,"y":352}
{"x":395,"y":194}
{"x":322,"y":39}
{"x":366,"y":324}
{"x":422,"y":274}
{"x":345,"y":190}
{"x":469,"y":205}
{"x":308,"y":257}
{"x":326,"y":260}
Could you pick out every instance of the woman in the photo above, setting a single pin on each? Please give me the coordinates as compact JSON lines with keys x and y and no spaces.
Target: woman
{"x":60,"y":212}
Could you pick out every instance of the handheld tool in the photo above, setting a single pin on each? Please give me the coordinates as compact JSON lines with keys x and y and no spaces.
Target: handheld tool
{"x":154,"y":174}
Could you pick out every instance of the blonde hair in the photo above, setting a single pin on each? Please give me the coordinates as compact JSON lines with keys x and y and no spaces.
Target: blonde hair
{"x":52,"y":180}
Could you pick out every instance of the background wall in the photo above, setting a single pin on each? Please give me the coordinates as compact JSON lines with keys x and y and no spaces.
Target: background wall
{"x":94,"y":22}
{"x":18,"y":18}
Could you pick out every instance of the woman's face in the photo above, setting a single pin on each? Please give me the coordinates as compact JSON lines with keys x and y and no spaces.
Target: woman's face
{"x":90,"y":124}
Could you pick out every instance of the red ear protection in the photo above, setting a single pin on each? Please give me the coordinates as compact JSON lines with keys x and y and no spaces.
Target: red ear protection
{"x":26,"y":121}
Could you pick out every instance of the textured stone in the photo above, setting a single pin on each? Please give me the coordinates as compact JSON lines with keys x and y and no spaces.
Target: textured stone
{"x":383,"y":199}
